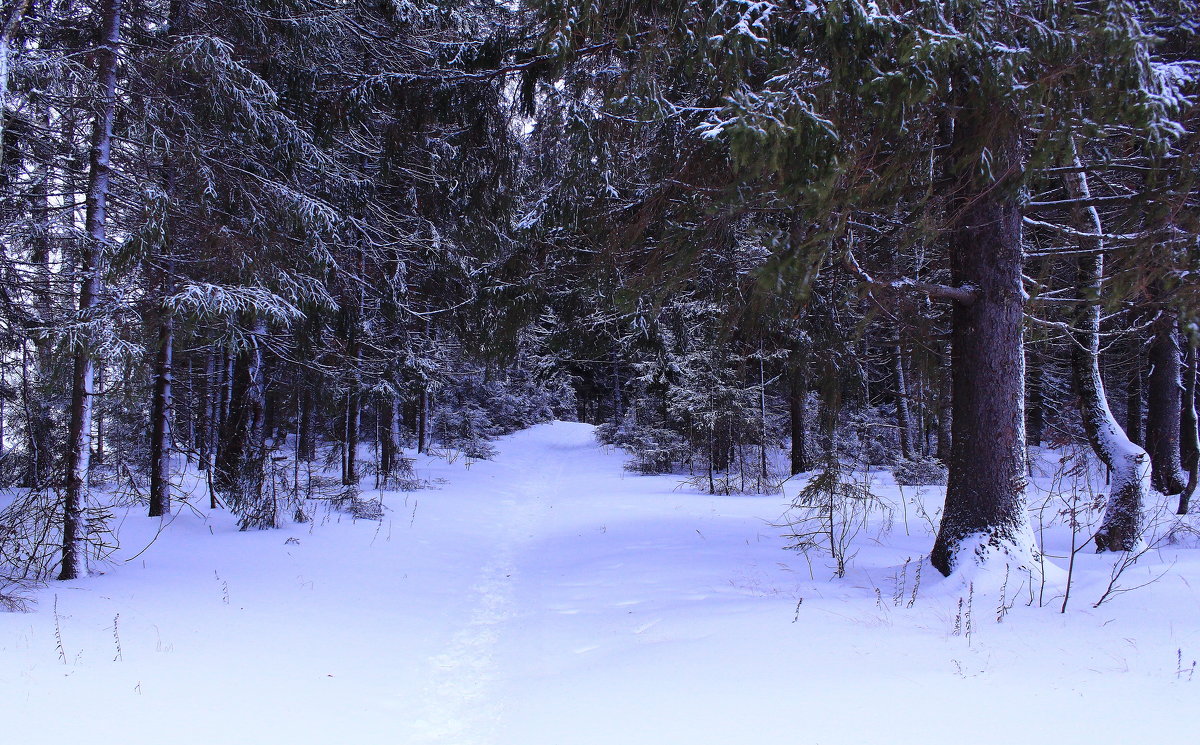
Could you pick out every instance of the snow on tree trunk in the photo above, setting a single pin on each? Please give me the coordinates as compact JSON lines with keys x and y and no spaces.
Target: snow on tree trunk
{"x":1189,"y":434}
{"x":239,"y":464}
{"x":1162,"y":416}
{"x":11,"y":22}
{"x":74,"y":545}
{"x":160,"y":415}
{"x":1129,"y":464}
{"x":984,"y":518}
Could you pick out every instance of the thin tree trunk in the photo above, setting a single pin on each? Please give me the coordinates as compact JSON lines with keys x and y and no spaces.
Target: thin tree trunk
{"x":99,"y":431}
{"x":798,"y":410}
{"x":351,"y":423}
{"x":162,"y":404}
{"x":423,"y":420}
{"x":985,"y":496}
{"x":945,"y":411}
{"x":74,"y":554}
{"x":1128,"y":464}
{"x":1162,"y":419}
{"x":40,"y":424}
{"x":189,"y":406}
{"x":161,"y":409}
{"x":617,"y":387}
{"x":1190,"y":436}
{"x":9,"y":26}
{"x":353,"y":412}
{"x":1035,"y":414}
{"x":306,"y":443}
{"x":384,"y":417}
{"x":3,"y":410}
{"x":1187,"y":408}
{"x":1134,"y":411}
{"x":762,"y":401}
{"x":903,"y":420}
{"x":206,"y":430}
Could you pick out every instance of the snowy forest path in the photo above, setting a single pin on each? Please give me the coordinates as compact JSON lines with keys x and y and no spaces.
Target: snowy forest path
{"x":459,"y":705}
{"x":548,"y":597}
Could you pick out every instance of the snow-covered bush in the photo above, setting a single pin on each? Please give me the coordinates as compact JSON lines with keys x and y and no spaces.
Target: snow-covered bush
{"x":652,"y":448}
{"x":919,"y":471}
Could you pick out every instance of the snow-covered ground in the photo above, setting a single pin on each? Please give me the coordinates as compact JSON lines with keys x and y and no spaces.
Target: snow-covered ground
{"x":548,"y":598}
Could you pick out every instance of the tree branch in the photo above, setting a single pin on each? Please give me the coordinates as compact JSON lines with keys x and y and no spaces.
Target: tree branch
{"x":965,"y":294}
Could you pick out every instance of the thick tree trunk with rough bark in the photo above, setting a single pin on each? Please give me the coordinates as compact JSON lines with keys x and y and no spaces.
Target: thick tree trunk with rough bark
{"x":1162,"y":416}
{"x":239,"y":464}
{"x":91,"y":253}
{"x":1128,"y":464}
{"x":985,"y":497}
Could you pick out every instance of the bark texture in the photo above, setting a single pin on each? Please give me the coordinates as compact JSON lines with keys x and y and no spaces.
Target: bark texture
{"x":91,"y":253}
{"x":1189,"y":434}
{"x":1162,"y":415}
{"x":239,"y":464}
{"x":985,"y":495}
{"x":1129,"y":465}
{"x":162,"y":405}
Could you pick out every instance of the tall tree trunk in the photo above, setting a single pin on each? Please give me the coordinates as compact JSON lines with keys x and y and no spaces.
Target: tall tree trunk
{"x":351,"y":423}
{"x":1134,"y":411}
{"x":10,"y":22}
{"x":161,"y":408}
{"x":91,"y":252}
{"x":945,"y":411}
{"x":306,"y":439}
{"x":1189,"y":435}
{"x":423,"y":419}
{"x":798,"y":410}
{"x":1129,"y":464}
{"x":1162,"y":417}
{"x":239,"y":465}
{"x":903,"y":420}
{"x":207,"y":430}
{"x":384,"y":417}
{"x":985,"y":496}
{"x":184,"y":418}
{"x":1187,"y":408}
{"x":39,"y":394}
{"x":99,"y":430}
